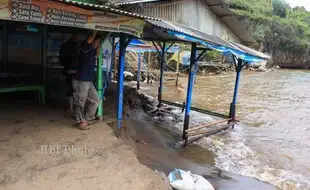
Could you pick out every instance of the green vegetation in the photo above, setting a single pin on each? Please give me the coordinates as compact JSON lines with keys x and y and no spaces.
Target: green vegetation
{"x":281,"y":31}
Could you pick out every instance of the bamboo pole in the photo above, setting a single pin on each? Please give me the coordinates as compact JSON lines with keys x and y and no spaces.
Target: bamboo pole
{"x":115,"y":61}
{"x":207,"y":125}
{"x":177,"y":69}
{"x":179,"y":61}
{"x":148,"y":67}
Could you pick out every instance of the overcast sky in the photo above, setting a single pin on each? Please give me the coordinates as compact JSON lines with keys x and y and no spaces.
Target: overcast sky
{"x":305,"y":3}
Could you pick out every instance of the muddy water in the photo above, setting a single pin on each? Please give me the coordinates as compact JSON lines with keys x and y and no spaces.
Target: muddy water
{"x":272,"y":142}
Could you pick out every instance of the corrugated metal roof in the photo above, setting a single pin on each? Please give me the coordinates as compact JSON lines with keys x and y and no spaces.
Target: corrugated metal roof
{"x":220,"y":9}
{"x":106,"y":8}
{"x":250,"y":51}
{"x":176,"y":27}
{"x":173,"y":26}
{"x":128,"y":2}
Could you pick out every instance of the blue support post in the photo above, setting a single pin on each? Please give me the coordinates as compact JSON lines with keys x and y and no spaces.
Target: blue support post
{"x":189,"y":90}
{"x":120,"y":81}
{"x":139,"y":71}
{"x":232,"y":112}
{"x":162,"y":62}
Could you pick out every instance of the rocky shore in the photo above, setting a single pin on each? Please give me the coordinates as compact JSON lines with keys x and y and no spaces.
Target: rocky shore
{"x":204,"y":69}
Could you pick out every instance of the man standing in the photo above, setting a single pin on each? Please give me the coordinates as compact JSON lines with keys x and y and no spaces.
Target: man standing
{"x":68,"y":57}
{"x":83,"y":87}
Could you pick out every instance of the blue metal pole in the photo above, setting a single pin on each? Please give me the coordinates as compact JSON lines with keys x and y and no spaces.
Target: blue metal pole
{"x":162,"y":61}
{"x":120,"y":81}
{"x":139,"y":71}
{"x":232,"y":113}
{"x":189,"y":90}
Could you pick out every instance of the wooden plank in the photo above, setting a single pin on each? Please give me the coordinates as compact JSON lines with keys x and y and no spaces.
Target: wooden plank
{"x":195,"y":133}
{"x":197,"y":109}
{"x":206,"y":135}
{"x":207,"y":125}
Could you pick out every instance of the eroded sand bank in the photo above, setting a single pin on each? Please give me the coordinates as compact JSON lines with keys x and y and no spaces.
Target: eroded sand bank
{"x":109,"y":163}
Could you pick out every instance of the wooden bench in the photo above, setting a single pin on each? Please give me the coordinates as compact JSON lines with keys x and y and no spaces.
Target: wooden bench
{"x":23,"y":88}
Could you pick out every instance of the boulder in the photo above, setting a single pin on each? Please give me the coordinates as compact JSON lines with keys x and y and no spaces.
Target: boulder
{"x":128,"y":76}
{"x":257,"y":65}
{"x":203,"y":71}
{"x":262,"y":69}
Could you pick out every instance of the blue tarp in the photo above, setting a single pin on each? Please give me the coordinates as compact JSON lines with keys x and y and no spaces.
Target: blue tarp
{"x":225,"y":50}
{"x":139,"y":46}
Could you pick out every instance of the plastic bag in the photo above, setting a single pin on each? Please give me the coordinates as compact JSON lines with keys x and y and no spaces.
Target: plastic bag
{"x":201,"y":183}
{"x":182,"y":180}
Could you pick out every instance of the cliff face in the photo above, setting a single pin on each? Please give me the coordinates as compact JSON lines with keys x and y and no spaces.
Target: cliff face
{"x":281,"y":31}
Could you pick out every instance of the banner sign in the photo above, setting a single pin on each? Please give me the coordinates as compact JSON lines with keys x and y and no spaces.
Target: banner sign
{"x":56,"y":13}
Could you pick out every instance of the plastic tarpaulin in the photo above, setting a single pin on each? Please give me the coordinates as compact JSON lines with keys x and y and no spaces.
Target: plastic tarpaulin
{"x":140,"y":46}
{"x":225,"y":50}
{"x":184,"y":57}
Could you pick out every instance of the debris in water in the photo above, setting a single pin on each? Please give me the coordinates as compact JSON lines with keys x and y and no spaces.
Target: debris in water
{"x":182,"y":180}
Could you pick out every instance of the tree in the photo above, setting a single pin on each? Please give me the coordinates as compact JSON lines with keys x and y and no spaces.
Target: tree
{"x":282,"y":31}
{"x":279,"y":8}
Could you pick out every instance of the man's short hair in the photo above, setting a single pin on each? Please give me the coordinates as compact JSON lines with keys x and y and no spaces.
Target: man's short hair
{"x":98,"y":37}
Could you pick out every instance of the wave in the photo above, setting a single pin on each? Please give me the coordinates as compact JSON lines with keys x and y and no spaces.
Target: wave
{"x":233,"y":155}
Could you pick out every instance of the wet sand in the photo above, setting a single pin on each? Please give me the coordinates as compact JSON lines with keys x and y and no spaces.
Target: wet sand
{"x":93,"y":159}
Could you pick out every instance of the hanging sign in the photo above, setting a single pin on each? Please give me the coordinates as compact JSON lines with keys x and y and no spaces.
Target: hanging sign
{"x":56,"y":13}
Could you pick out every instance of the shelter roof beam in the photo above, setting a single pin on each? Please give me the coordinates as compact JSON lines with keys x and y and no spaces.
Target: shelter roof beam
{"x":200,"y":55}
{"x":170,"y":46}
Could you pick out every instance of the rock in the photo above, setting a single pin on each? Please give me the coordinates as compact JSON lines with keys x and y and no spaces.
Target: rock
{"x":262,"y":69}
{"x":252,"y":69}
{"x":128,"y":76}
{"x":278,"y":67}
{"x":203,"y":71}
{"x":257,"y":65}
{"x":218,"y":72}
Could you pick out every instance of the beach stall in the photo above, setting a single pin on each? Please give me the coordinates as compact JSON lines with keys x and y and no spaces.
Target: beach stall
{"x":31,"y":35}
{"x":200,"y":42}
{"x":39,"y":26}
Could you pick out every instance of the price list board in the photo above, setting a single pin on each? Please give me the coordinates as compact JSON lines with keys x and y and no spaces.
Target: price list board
{"x":62,"y":17}
{"x":60,"y":14}
{"x":25,"y":11}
